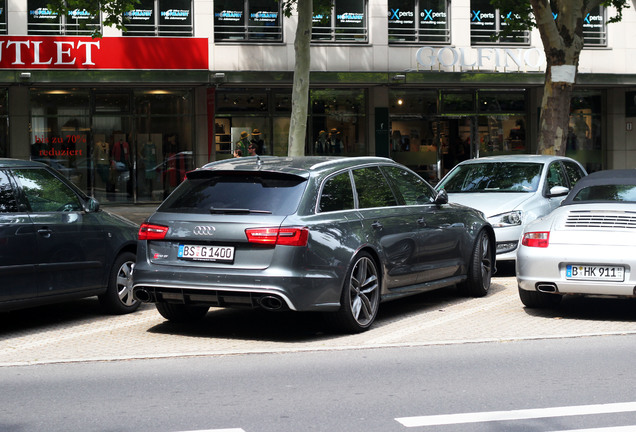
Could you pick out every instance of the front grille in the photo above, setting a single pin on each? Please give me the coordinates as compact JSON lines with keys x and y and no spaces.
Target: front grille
{"x":601,"y":220}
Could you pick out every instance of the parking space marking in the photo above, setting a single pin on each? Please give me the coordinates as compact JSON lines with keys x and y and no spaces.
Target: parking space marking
{"x":415,"y":328}
{"x":480,"y":417}
{"x":56,"y":336}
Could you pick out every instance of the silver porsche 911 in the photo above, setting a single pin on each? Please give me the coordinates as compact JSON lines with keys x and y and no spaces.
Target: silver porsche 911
{"x":334,"y":235}
{"x":587,"y":246}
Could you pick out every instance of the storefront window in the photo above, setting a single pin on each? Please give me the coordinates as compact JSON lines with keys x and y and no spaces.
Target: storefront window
{"x":247,"y":20}
{"x":338,"y":123}
{"x":501,"y":122}
{"x":160,"y":18}
{"x":413,"y":21}
{"x":486,"y":21}
{"x":584,"y":141}
{"x":163,"y":141}
{"x":414,"y":136}
{"x":43,"y":21}
{"x":118,"y":147}
{"x":347,"y":23}
{"x":242,"y":119}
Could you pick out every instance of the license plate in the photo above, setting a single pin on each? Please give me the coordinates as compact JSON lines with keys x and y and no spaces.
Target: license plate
{"x":595,"y":273}
{"x":206,"y":253}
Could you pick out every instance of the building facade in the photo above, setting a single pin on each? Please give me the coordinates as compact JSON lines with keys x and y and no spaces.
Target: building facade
{"x":190,"y":81}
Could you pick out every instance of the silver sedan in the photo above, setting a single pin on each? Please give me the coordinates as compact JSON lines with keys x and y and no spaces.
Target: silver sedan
{"x":587,"y":246}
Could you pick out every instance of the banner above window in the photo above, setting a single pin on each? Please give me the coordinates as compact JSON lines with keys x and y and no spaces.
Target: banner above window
{"x":136,"y":53}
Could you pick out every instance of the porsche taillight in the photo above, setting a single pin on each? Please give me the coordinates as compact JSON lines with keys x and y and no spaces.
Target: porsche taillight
{"x":539,"y":239}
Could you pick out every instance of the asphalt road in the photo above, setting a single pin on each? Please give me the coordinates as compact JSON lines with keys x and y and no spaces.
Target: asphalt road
{"x":537,"y":385}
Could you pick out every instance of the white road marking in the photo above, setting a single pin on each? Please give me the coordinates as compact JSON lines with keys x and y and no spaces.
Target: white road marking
{"x":607,"y":429}
{"x":478,"y":417}
{"x":219,"y":430}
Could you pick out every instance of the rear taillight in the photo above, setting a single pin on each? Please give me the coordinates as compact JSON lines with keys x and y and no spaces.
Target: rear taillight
{"x":289,"y":236}
{"x":536,"y":239}
{"x":152,"y":232}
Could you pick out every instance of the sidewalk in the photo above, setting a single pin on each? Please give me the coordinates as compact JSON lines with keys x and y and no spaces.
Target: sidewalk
{"x":135,"y":212}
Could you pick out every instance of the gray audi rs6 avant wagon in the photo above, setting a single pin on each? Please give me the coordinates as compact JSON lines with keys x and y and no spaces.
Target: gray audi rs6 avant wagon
{"x":337,"y":235}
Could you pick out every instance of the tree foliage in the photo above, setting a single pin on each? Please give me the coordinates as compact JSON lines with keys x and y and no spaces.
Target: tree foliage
{"x":560,"y":24}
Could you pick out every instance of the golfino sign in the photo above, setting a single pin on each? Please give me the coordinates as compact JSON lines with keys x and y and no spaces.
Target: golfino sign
{"x":481,"y":58}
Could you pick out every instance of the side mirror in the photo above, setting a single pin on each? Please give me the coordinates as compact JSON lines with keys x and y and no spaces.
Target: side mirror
{"x":92,"y":205}
{"x":558,"y":191}
{"x":441,"y":198}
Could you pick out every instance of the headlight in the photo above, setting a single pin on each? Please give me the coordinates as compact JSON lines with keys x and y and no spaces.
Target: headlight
{"x":512,"y":218}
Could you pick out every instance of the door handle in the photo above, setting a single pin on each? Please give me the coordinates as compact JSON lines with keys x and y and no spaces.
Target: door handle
{"x":45,"y":232}
{"x":421,"y":222}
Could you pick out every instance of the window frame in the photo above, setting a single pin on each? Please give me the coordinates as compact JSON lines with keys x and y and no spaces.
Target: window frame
{"x":61,"y":25}
{"x":247,"y":31}
{"x":483,"y":37}
{"x":156,"y":25}
{"x":590,"y":36}
{"x":419,"y":33}
{"x":330,"y":32}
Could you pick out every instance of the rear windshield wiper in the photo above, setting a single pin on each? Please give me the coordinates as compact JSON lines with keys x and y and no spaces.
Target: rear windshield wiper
{"x":222,"y":210}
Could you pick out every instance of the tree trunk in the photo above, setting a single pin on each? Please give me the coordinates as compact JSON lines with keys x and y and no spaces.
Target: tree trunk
{"x":562,"y":43}
{"x":300,"y":89}
{"x":555,"y":113}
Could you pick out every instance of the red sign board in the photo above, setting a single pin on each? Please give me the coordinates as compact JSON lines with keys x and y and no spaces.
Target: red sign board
{"x":137,"y":53}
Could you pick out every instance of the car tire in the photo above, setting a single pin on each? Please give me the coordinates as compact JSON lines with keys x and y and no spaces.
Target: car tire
{"x":118,"y":298}
{"x":538,"y":300}
{"x":181,"y":313}
{"x":360,"y":298}
{"x":480,"y":267}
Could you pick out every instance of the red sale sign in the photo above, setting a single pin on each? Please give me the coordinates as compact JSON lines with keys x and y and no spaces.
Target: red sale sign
{"x":138,"y":53}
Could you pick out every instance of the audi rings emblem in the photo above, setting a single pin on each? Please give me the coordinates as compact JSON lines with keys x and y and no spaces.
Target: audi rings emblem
{"x":203,"y":230}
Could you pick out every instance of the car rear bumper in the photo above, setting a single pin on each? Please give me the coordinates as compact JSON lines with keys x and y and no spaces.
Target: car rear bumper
{"x":315,"y":292}
{"x":544,"y":269}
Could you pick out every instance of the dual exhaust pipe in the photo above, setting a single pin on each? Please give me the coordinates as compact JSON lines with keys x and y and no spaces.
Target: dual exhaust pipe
{"x":267,"y":302}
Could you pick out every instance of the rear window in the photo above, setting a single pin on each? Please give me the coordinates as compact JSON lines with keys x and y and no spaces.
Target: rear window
{"x":494,"y":177}
{"x":237,"y":193}
{"x":608,"y":193}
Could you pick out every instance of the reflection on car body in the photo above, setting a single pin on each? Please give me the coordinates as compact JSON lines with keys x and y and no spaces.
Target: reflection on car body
{"x":512,"y":190}
{"x":586,"y":246}
{"x":334,"y":235}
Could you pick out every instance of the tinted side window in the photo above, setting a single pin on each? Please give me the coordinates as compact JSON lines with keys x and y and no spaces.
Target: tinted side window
{"x":372,"y":188}
{"x":337,"y":194}
{"x":414,"y":190}
{"x":555,"y":176}
{"x":46,"y":193}
{"x":8,"y":203}
{"x":573,"y":171}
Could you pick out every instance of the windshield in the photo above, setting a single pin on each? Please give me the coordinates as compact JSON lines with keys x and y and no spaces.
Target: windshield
{"x":607,"y":193}
{"x":493,"y":177}
{"x":237,"y":193}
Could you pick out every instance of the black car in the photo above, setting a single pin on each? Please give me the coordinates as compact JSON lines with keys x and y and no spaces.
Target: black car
{"x":56,"y":243}
{"x":337,"y":235}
